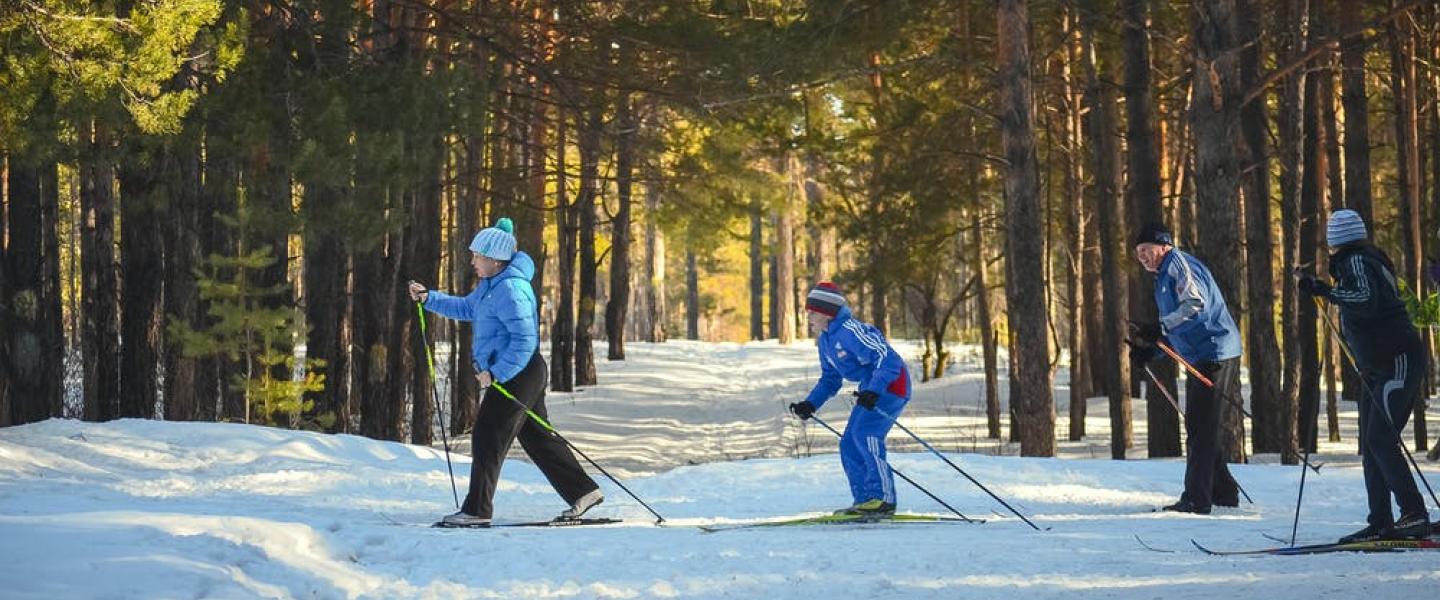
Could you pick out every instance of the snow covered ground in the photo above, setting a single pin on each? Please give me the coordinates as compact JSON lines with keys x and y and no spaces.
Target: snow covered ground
{"x":144,"y":509}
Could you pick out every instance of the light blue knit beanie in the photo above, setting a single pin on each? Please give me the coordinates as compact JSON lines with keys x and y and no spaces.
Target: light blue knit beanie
{"x":1345,"y":226}
{"x":496,"y":242}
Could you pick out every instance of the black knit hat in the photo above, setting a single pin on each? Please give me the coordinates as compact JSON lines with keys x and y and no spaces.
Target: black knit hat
{"x":1154,"y":233}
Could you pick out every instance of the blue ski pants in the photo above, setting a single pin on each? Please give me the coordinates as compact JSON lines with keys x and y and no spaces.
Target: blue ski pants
{"x":862,"y":450}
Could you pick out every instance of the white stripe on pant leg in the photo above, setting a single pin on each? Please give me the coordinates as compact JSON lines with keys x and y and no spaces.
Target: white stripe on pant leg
{"x":1402,"y":365}
{"x":881,"y":468}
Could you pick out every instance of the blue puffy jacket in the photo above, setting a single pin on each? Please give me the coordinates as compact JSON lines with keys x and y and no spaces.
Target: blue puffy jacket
{"x":850,"y":349}
{"x":504,"y":316}
{"x":1193,"y":314}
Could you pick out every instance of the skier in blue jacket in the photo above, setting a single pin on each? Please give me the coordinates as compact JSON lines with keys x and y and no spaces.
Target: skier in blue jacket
{"x":504,"y":315}
{"x":856,"y":351}
{"x":1197,"y":324}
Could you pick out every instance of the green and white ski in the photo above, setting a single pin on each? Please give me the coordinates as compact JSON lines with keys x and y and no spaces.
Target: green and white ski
{"x":847,"y":519}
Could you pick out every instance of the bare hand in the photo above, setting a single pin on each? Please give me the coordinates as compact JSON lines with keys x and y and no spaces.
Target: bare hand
{"x":418,"y":292}
{"x":485,"y":379}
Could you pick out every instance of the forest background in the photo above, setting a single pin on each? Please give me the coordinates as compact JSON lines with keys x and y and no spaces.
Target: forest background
{"x":196,"y":190}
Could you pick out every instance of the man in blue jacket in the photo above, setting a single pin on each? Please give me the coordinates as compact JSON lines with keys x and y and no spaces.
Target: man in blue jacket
{"x":503,"y":314}
{"x":1196,"y":323}
{"x":856,"y":351}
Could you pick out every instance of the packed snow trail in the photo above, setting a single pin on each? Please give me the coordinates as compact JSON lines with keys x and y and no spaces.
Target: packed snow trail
{"x":146,"y":509}
{"x":153,"y":509}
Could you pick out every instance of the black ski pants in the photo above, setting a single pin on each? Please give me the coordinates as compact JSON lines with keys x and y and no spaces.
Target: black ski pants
{"x":1207,"y":477}
{"x":1393,"y":386}
{"x":499,"y":422}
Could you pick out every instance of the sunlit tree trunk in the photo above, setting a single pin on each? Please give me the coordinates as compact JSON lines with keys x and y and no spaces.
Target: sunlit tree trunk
{"x":1024,"y":258}
{"x":1101,"y":136}
{"x":1215,"y":113}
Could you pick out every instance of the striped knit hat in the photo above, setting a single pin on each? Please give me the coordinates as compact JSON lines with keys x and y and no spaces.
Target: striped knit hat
{"x":825,"y":298}
{"x":496,"y":242}
{"x":1345,"y":226}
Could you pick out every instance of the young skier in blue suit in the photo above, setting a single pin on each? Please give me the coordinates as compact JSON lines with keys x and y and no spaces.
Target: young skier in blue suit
{"x":856,"y":351}
{"x":506,"y":349}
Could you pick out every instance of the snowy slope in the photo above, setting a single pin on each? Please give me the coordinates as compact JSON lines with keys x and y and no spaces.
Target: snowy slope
{"x":143,"y":509}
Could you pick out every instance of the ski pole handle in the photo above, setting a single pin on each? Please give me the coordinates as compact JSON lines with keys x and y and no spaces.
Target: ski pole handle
{"x":1189,"y":368}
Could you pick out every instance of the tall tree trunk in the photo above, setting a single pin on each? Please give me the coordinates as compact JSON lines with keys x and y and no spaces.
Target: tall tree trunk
{"x":325,"y":302}
{"x":988,"y":338}
{"x":585,"y":207}
{"x":5,"y":288}
{"x":1105,"y":165}
{"x":757,"y":273}
{"x":1357,"y":113}
{"x":530,"y":222}
{"x":562,"y":330}
{"x":655,"y":301}
{"x":1434,"y":84}
{"x":1290,"y":146}
{"x":1312,"y":197}
{"x":1024,"y":258}
{"x":784,"y":313}
{"x":820,"y":239}
{"x":879,"y":307}
{"x":1143,"y":201}
{"x":1076,"y":219}
{"x":1215,"y":111}
{"x":1263,"y":353}
{"x":423,"y":258}
{"x":100,"y":329}
{"x":376,"y":313}
{"x":182,"y":257}
{"x":692,"y":296}
{"x":33,"y":356}
{"x":1407,"y":150}
{"x":773,"y":282}
{"x":618,"y":305}
{"x":143,"y":267}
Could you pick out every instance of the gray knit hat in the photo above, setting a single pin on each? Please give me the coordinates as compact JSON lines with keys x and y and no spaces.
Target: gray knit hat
{"x":1345,"y":226}
{"x":496,"y":242}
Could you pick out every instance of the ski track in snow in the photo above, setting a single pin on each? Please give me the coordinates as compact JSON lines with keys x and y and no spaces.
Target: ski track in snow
{"x":151,"y":509}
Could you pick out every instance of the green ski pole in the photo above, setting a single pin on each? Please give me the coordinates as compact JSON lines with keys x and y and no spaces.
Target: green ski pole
{"x":434,"y":395}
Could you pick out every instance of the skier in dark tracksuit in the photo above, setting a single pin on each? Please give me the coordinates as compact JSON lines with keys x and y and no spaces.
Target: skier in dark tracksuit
{"x":857,"y":351}
{"x":503,"y":314}
{"x":1392,"y":357}
{"x":1197,"y":325}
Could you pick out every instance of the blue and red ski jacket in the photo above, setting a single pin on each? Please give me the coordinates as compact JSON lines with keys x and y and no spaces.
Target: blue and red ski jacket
{"x":857,"y":351}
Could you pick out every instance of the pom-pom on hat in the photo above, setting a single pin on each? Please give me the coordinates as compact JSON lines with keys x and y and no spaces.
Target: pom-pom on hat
{"x":496,"y":242}
{"x":1345,"y":226}
{"x":825,"y":298}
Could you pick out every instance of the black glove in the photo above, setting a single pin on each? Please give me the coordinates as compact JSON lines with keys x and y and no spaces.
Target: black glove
{"x":803,"y":409}
{"x":1149,"y":333}
{"x":1140,"y":354}
{"x":1311,"y":286}
{"x":867,"y":399}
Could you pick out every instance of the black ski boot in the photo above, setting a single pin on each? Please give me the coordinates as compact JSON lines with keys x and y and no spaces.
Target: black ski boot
{"x":1186,"y":506}
{"x":1410,"y":527}
{"x":1369,"y":534}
